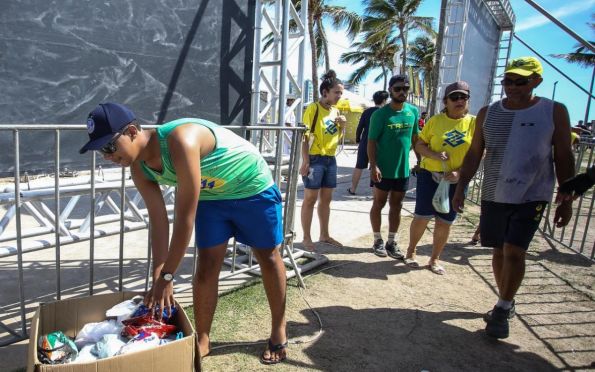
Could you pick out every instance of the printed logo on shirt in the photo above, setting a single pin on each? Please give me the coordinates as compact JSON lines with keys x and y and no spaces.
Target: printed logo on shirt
{"x":330,"y":127}
{"x":400,"y":125}
{"x":454,"y":138}
{"x":211,"y":183}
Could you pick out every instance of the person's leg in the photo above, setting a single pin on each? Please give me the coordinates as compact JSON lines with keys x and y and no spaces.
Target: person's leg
{"x":205,"y":292}
{"x":357,"y":174}
{"x":274,"y":281}
{"x":380,"y":198}
{"x":416,"y":231}
{"x":512,"y":271}
{"x":395,"y":203}
{"x":310,"y":197}
{"x":324,"y":212}
{"x":441,"y":232}
{"x":497,"y":261}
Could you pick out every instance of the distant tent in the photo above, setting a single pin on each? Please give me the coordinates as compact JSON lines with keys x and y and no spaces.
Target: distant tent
{"x":353,"y":103}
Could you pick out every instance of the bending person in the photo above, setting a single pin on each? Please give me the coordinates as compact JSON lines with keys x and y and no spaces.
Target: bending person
{"x":224,"y":189}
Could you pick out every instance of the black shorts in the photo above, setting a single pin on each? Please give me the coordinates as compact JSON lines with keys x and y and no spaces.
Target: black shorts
{"x":392,"y":184}
{"x":509,"y":223}
{"x":362,"y":155}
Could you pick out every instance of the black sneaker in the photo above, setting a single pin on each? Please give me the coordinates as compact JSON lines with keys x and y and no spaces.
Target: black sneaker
{"x":497,"y":325}
{"x":378,"y":248}
{"x":512,"y":312}
{"x":393,"y":250}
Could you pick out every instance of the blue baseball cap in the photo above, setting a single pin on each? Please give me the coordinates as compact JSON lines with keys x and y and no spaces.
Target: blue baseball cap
{"x":103,"y":122}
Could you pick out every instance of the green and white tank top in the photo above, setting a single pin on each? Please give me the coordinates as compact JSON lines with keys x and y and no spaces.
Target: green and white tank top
{"x":233,"y":170}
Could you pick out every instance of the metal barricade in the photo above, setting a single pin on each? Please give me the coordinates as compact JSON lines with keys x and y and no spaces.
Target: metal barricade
{"x":35,"y":219}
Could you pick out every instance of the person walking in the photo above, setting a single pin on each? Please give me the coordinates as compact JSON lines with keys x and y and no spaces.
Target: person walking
{"x":526,"y":139}
{"x":224,"y":189}
{"x":393,"y":128}
{"x":319,"y":166}
{"x":361,"y":137}
{"x":442,"y":144}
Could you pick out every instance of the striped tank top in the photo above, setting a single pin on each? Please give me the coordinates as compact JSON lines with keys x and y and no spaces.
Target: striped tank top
{"x":518,"y":165}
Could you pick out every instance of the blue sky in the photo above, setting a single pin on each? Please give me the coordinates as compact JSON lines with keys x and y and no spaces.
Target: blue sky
{"x":533,"y":28}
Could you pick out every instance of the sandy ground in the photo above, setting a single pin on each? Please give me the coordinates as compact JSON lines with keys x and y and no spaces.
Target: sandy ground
{"x":378,"y":315}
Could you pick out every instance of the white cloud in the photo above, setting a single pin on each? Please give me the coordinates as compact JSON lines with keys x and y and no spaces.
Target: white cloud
{"x":561,"y":12}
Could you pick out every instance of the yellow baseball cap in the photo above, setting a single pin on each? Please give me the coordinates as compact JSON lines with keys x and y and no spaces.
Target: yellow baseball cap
{"x":524,"y":66}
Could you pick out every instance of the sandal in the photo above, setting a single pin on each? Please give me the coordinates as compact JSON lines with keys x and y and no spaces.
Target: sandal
{"x":273,"y":348}
{"x":350,"y":192}
{"x":411,"y":262}
{"x":437,"y":269}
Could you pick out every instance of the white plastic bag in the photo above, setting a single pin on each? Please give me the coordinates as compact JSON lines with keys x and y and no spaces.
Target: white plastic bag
{"x":93,"y":332}
{"x":440,"y":200}
{"x":124,"y":310}
{"x":108,"y":346}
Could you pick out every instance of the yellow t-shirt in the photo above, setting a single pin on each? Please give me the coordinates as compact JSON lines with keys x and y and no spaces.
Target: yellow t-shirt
{"x":326,"y":132}
{"x":452,"y":136}
{"x":574,"y":138}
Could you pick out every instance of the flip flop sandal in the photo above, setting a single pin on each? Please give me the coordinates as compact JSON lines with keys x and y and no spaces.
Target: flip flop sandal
{"x":412,"y":263}
{"x":350,"y":192}
{"x":474,"y":241}
{"x":437,"y":269}
{"x":273,"y":348}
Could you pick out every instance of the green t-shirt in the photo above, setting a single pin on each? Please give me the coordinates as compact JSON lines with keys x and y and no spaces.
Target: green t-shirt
{"x":392,"y":130}
{"x":233,"y":170}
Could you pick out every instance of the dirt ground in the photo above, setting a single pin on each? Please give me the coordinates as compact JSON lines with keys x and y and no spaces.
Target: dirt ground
{"x":379,"y":315}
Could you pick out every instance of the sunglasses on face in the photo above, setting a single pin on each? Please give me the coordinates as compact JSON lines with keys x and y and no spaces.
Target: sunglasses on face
{"x":110,"y":147}
{"x":518,"y":82}
{"x":398,"y":89}
{"x":457,"y":96}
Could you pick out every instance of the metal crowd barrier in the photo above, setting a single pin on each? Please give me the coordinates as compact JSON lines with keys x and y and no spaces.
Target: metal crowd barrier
{"x":104,"y":206}
{"x":578,"y":235}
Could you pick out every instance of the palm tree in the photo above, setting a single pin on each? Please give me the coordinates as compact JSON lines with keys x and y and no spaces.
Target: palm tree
{"x":389,"y":16}
{"x":375,"y":53}
{"x":581,"y":55}
{"x":421,"y":55}
{"x":318,"y":11}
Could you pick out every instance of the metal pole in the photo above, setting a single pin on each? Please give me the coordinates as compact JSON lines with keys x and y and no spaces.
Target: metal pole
{"x":576,"y":36}
{"x":122,"y":205}
{"x":589,"y":98}
{"x":57,"y":215}
{"x":92,"y":230}
{"x":256,"y":64}
{"x":17,"y":203}
{"x":554,"y":91}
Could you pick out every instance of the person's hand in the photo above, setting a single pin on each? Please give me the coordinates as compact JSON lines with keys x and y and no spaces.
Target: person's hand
{"x":452,"y":176}
{"x":341,"y":120}
{"x":574,"y":187}
{"x":375,"y":174}
{"x":304,"y":169}
{"x":563,"y":214}
{"x":415,"y":169}
{"x":441,"y":156}
{"x":458,"y":200}
{"x":160,"y":297}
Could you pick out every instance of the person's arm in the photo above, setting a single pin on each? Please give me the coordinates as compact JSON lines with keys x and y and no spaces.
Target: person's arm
{"x":576,"y":186}
{"x":307,"y":119}
{"x":415,"y":136}
{"x":563,"y":160}
{"x":360,"y":126}
{"x":471,"y":162}
{"x":153,"y":198}
{"x":373,"y":133}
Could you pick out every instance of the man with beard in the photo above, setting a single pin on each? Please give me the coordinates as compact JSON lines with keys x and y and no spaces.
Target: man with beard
{"x":393,"y":129}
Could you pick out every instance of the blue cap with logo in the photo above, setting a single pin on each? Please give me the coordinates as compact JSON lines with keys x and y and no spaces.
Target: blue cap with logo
{"x":103,"y":122}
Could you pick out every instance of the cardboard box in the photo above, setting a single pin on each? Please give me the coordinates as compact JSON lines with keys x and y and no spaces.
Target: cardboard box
{"x":69,"y":316}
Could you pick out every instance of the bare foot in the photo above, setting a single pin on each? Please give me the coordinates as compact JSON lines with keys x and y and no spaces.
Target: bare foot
{"x":308,"y":245}
{"x":204,"y":346}
{"x":331,"y":241}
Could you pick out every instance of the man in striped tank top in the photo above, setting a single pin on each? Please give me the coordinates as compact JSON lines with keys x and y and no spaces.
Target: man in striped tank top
{"x":527,"y":146}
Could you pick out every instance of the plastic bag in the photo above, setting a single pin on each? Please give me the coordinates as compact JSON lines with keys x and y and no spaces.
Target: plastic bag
{"x":85,"y":354}
{"x":124,"y":310}
{"x":56,"y":348}
{"x":148,"y":325}
{"x":108,"y":346}
{"x":93,"y":332}
{"x":165,"y":315}
{"x":440,"y":201}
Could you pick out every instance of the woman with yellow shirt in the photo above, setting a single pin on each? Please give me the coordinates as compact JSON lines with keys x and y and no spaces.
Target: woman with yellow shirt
{"x":443,"y":144}
{"x":319,"y":166}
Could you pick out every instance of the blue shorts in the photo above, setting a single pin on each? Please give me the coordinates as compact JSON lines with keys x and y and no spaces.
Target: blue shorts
{"x":424,"y":193}
{"x":362,"y":155}
{"x":322,"y":172}
{"x":514,"y":224}
{"x":256,"y":221}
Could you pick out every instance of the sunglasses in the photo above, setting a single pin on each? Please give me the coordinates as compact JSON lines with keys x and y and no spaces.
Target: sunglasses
{"x":110,"y":147}
{"x":457,"y":96}
{"x":398,"y":89}
{"x":518,"y":82}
